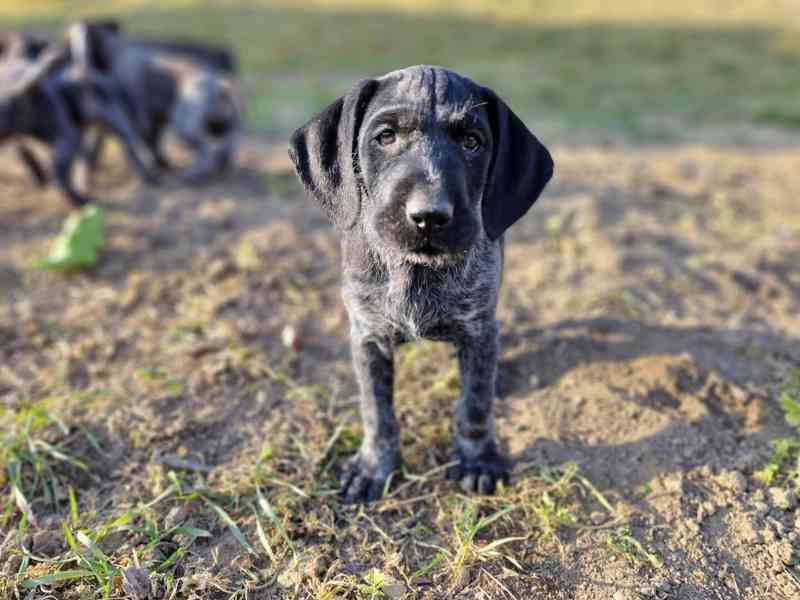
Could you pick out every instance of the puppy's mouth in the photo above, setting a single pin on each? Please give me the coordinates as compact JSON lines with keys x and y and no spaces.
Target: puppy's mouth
{"x":429,"y":249}
{"x":429,"y":252}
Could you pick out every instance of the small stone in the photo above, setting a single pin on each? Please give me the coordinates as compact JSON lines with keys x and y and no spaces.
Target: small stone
{"x":622,"y":595}
{"x":394,"y":591}
{"x":781,"y":498}
{"x":290,"y":339}
{"x":136,"y":583}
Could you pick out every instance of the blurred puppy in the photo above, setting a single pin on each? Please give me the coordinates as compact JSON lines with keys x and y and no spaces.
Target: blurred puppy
{"x":49,"y":98}
{"x":18,"y":46}
{"x":174,"y":86}
{"x":422,"y":170}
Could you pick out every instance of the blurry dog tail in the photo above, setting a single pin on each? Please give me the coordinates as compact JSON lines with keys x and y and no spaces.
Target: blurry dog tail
{"x":207,"y":55}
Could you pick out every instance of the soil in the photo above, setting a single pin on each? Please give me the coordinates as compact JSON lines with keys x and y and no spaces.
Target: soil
{"x":650,"y":313}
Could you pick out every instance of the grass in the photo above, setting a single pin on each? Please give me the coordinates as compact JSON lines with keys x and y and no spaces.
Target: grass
{"x":33,"y":459}
{"x":784,"y":466}
{"x":623,"y":543}
{"x":572,"y":73}
{"x":154,"y":538}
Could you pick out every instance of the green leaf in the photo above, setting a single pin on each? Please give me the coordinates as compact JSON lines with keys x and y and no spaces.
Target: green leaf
{"x":95,"y":549}
{"x":267,"y":509}
{"x":172,"y":559}
{"x":61,"y":455}
{"x":55,"y":577}
{"x":73,"y":507}
{"x":237,"y":533}
{"x":82,"y":236}
{"x":192,"y":532}
{"x":791,"y":409}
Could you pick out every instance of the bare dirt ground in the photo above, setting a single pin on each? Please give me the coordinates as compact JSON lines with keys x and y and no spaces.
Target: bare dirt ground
{"x":650,"y":315}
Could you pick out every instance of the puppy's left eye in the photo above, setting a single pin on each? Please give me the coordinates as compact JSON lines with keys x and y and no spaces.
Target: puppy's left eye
{"x":387,"y":137}
{"x":471,"y":143}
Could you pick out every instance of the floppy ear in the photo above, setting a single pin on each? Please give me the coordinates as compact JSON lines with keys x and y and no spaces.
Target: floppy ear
{"x":88,"y":42}
{"x":325,"y":154}
{"x":521,"y":167}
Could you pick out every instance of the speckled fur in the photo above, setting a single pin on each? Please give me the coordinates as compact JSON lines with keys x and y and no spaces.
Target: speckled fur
{"x":402,"y":282}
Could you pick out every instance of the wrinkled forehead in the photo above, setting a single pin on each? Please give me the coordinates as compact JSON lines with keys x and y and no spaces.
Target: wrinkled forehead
{"x":430,"y":91}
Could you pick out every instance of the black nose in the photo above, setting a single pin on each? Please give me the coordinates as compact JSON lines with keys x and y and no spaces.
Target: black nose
{"x":426,"y":215}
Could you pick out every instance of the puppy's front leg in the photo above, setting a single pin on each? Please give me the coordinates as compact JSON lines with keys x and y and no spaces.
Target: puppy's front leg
{"x":367,"y":472}
{"x":480,"y":465}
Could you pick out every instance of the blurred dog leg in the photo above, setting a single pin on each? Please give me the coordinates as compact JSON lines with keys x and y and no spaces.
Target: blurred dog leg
{"x":33,"y":165}
{"x":65,"y":151}
{"x":112,"y":116}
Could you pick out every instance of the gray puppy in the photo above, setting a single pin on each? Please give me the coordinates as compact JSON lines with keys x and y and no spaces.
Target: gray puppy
{"x":47,"y":97}
{"x":421,"y":171}
{"x":171,"y":87}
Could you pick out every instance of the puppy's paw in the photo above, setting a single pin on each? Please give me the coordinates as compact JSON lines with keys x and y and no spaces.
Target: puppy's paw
{"x":482,"y":473}
{"x":362,"y":482}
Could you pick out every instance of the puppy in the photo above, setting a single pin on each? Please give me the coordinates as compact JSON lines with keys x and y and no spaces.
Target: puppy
{"x":53,"y":97}
{"x":172,"y":86}
{"x":16,"y":46}
{"x":421,"y":171}
{"x":53,"y":100}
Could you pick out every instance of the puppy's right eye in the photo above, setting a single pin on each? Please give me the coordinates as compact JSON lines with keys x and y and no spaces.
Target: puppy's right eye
{"x":387,"y":137}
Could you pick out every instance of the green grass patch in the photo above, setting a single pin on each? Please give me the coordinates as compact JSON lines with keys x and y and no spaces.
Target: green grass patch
{"x":784,"y":466}
{"x":622,"y":542}
{"x":34,"y":462}
{"x":568,"y":76}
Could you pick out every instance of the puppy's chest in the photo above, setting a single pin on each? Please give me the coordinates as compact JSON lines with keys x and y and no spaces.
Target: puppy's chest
{"x":415,"y":304}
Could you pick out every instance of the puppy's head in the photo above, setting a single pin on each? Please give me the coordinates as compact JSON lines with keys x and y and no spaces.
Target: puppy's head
{"x":20,"y":78}
{"x":425,"y":159}
{"x":22,"y":45}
